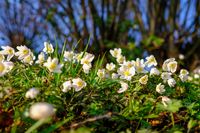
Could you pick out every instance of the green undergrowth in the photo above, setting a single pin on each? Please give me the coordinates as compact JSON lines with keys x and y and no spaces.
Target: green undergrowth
{"x":97,"y":107}
{"x":138,"y":108}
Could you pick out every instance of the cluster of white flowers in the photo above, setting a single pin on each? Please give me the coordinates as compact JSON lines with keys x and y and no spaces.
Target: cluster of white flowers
{"x":76,"y":83}
{"x":25,"y":55}
{"x":128,"y":69}
{"x":84,"y":58}
{"x":8,"y":51}
{"x":6,"y":65}
{"x":86,"y":62}
{"x":169,"y":67}
{"x":123,"y":71}
{"x":51,"y":64}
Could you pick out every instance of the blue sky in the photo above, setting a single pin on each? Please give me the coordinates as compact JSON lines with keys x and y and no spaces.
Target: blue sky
{"x":51,"y":33}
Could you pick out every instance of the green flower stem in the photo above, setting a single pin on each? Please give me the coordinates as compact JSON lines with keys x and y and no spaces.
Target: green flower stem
{"x":37,"y":125}
{"x":172,"y":118}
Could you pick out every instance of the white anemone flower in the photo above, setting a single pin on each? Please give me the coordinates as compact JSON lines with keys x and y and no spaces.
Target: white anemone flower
{"x":86,"y":62}
{"x":67,"y":85}
{"x":9,"y":65}
{"x":110,"y":66}
{"x":121,"y":59}
{"x":2,"y":57}
{"x":22,"y":52}
{"x":183,"y":75}
{"x":171,"y":82}
{"x":196,"y":76}
{"x":154,"y":71}
{"x":126,"y":73}
{"x":197,"y":70}
{"x":129,"y":64}
{"x":5,"y":67}
{"x":172,"y":66}
{"x":41,"y":58}
{"x":116,"y":52}
{"x":151,"y":61}
{"x":160,"y":88}
{"x":41,"y":110}
{"x":165,"y":100}
{"x":29,"y":59}
{"x":53,"y":66}
{"x":143,"y":80}
{"x":48,"y":48}
{"x":101,"y":73}
{"x":124,"y":87}
{"x":114,"y":76}
{"x":140,"y":66}
{"x":164,"y":66}
{"x":165,"y":76}
{"x":184,"y":72}
{"x":87,"y":59}
{"x":78,"y":56}
{"x":9,"y":51}
{"x":86,"y":68}
{"x":32,"y":93}
{"x":68,"y":55}
{"x":78,"y":84}
{"x":166,"y":62}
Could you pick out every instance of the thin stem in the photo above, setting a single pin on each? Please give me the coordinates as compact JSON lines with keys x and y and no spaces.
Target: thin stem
{"x":37,"y":124}
{"x":188,"y":131}
{"x":172,"y":118}
{"x":108,"y":115}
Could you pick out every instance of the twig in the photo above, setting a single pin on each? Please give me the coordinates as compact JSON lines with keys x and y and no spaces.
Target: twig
{"x":108,"y":115}
{"x":154,"y":104}
{"x":171,"y":124}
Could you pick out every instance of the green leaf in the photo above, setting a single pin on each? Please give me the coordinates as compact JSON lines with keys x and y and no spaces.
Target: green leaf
{"x":153,"y":40}
{"x":172,"y":106}
{"x":151,"y":116}
{"x":38,"y":124}
{"x":191,"y":123}
{"x":57,"y":125}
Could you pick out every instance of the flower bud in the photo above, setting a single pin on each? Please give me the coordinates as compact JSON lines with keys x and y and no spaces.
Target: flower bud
{"x":41,"y":110}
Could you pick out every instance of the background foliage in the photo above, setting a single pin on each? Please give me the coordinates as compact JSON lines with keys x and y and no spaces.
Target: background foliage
{"x":164,"y":28}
